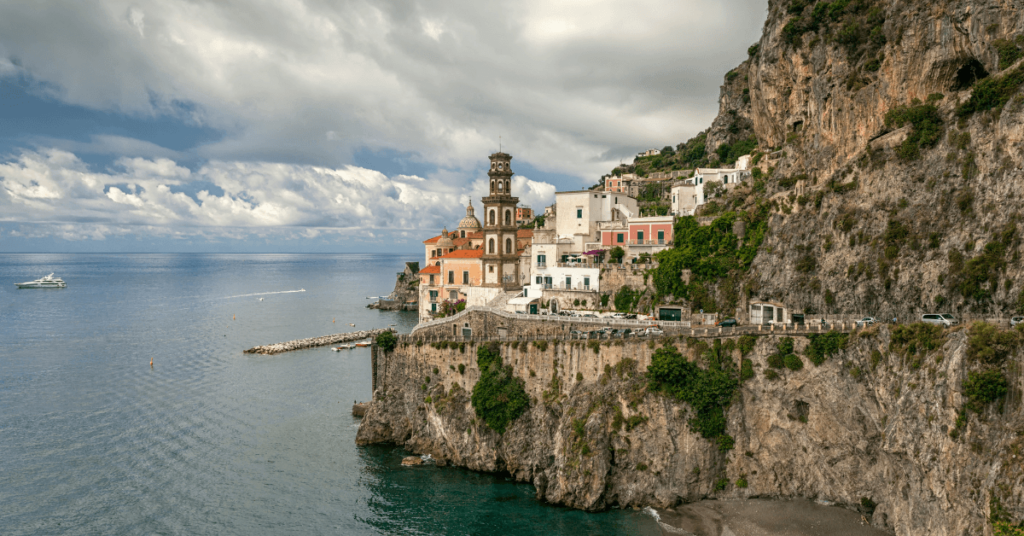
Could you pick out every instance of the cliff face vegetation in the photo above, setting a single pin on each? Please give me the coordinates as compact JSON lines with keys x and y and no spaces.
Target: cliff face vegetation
{"x":889,"y":147}
{"x":920,"y":429}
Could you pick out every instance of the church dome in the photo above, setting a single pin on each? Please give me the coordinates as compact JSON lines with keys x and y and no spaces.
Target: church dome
{"x":470,"y":223}
{"x":446,"y":241}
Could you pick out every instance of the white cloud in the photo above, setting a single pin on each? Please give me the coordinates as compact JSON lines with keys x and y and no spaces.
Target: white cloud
{"x":570,"y":87}
{"x":58,"y":193}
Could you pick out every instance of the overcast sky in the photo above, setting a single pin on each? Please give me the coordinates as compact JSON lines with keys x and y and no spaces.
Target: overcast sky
{"x":310,"y":125}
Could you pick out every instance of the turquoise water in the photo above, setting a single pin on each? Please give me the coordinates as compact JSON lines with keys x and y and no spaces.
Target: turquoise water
{"x":209,"y":440}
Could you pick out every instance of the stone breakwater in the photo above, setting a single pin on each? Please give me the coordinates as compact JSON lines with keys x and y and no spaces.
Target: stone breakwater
{"x":301,"y":344}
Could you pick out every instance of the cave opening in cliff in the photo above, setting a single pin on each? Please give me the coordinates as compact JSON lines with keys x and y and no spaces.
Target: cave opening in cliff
{"x":969,"y":73}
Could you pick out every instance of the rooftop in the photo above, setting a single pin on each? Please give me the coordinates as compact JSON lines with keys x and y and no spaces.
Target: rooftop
{"x":431,"y":270}
{"x":464,"y":254}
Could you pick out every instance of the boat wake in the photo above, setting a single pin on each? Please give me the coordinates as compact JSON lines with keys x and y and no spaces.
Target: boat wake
{"x":265,"y":293}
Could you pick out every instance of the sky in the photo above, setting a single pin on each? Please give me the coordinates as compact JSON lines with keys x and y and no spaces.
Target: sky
{"x":342,"y":126}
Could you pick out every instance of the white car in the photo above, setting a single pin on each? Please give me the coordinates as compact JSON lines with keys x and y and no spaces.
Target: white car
{"x":1016,"y":320}
{"x":940,"y":320}
{"x":654,"y":332}
{"x":866,"y":321}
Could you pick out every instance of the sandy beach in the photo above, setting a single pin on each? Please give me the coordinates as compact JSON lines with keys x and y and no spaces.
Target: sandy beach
{"x":757,"y":517}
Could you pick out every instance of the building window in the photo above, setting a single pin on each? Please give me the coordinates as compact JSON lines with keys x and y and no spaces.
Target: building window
{"x":490,"y":269}
{"x":586,"y":283}
{"x":490,"y":245}
{"x":620,"y":238}
{"x":579,"y":213}
{"x":465,"y":278}
{"x":542,"y":260}
{"x":501,"y":186}
{"x":462,"y":234}
{"x":508,"y":246}
{"x":431,"y":280}
{"x":640,"y":236}
{"x":661,"y":237}
{"x":508,"y":217}
{"x":453,"y":295}
{"x":499,"y":165}
{"x":451,"y":277}
{"x":539,"y":280}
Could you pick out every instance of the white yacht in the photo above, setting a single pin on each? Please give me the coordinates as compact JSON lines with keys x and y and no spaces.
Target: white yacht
{"x":44,"y":282}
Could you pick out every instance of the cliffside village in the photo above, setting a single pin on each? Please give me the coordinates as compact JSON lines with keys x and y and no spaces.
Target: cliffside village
{"x":519,"y":262}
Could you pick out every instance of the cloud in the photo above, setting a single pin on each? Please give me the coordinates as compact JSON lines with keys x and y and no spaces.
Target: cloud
{"x":60,"y":196}
{"x":570,"y":89}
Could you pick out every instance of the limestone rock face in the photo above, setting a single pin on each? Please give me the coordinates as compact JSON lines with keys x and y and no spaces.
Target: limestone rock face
{"x":818,"y":108}
{"x":867,"y":427}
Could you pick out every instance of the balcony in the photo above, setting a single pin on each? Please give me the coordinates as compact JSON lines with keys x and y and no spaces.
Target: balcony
{"x":660,"y":242}
{"x":542,"y":265}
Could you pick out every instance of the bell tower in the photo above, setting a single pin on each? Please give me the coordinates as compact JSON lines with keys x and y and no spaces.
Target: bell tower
{"x":501,"y":256}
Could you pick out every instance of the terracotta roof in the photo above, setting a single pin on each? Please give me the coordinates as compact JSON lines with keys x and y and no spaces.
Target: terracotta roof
{"x":524,"y":233}
{"x":478,"y":234}
{"x":432,"y":240}
{"x":431,"y":270}
{"x":465,"y":254}
{"x":461,"y":241}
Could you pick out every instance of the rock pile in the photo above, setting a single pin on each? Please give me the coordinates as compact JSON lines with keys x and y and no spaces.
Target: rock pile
{"x":301,"y":344}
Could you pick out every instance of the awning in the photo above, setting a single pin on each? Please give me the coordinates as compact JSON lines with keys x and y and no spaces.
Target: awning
{"x":522,"y":300}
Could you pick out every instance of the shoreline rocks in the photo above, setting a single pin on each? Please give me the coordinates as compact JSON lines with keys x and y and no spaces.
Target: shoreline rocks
{"x":301,"y":344}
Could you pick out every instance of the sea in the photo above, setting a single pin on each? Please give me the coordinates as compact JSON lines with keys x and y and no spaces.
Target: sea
{"x":208,"y":440}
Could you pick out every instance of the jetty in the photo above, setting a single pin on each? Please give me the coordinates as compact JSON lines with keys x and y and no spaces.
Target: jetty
{"x":301,"y":344}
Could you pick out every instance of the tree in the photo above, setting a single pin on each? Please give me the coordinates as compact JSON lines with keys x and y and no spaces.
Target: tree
{"x":616,"y":254}
{"x":387,"y":341}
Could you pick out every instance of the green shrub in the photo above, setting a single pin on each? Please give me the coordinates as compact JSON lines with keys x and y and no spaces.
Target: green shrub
{"x":992,"y":92}
{"x":984,"y":387}
{"x":1009,"y":52}
{"x":641,"y":467}
{"x":988,"y":344}
{"x":541,"y":345}
{"x":824,"y":345}
{"x":707,"y":391}
{"x":386,"y":341}
{"x":771,"y":374}
{"x":753,"y":49}
{"x":746,"y":369}
{"x":721,"y":484}
{"x":462,"y":368}
{"x":741,"y":482}
{"x":917,"y":338}
{"x":776,"y":361}
{"x":498,"y":397}
{"x":746,"y":344}
{"x":926,"y":128}
{"x":634,"y":421}
{"x":793,"y":362}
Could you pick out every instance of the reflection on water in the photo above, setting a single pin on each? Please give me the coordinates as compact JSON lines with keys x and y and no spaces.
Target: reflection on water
{"x":211,"y":441}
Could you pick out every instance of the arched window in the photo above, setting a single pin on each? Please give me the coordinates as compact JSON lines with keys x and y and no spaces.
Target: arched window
{"x":492,"y":216}
{"x":499,"y":165}
{"x":492,"y":185}
{"x":508,"y":217}
{"x":492,"y":165}
{"x":462,"y":234}
{"x":491,"y":245}
{"x":508,"y":246}
{"x":507,"y":187}
{"x":501,"y":186}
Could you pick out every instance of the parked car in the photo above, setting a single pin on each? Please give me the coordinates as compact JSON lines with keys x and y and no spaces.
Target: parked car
{"x":590,"y":315}
{"x":596,"y":334}
{"x":616,"y":334}
{"x":940,"y":320}
{"x":866,"y":321}
{"x":654,"y":332}
{"x":626,"y":333}
{"x":577,"y":334}
{"x":1016,"y":320}
{"x":728,"y":323}
{"x":950,"y":318}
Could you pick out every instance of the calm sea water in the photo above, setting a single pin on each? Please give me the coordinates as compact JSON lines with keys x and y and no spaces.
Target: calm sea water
{"x":209,"y":440}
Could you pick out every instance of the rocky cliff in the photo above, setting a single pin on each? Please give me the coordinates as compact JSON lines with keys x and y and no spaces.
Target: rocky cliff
{"x":890,"y":147}
{"x":880,"y":426}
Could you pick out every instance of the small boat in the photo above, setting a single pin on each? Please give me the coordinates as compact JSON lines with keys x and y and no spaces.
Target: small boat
{"x":44,"y":282}
{"x":363,"y":344}
{"x":341,"y":347}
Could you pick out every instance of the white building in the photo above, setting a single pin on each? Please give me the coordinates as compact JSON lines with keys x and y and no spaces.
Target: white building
{"x":577,"y":215}
{"x":649,"y":152}
{"x":690,"y":194}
